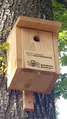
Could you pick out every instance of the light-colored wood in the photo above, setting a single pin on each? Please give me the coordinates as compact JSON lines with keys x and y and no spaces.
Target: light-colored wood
{"x":56,"y":53}
{"x":57,"y":64}
{"x":37,"y":80}
{"x":11,"y":56}
{"x":14,"y":55}
{"x":39,"y":24}
{"x":31,"y":81}
{"x":33,"y":58}
{"x":18,"y":47}
{"x":28,"y":103}
{"x":33,"y":73}
{"x":43,"y":47}
{"x":52,"y":83}
{"x":39,"y":61}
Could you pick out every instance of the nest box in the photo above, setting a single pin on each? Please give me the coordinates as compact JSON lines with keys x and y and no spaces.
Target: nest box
{"x":32,"y":57}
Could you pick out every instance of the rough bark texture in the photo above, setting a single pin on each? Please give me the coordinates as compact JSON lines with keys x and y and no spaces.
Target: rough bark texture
{"x":11,"y":102}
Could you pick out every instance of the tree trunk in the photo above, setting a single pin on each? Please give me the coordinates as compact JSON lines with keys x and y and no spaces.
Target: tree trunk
{"x":11,"y":101}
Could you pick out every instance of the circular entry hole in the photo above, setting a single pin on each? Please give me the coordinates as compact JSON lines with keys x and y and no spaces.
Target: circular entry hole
{"x":36,"y":38}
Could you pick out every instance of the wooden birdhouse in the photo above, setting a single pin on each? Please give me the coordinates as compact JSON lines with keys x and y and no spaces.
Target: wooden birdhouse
{"x":32,"y":57}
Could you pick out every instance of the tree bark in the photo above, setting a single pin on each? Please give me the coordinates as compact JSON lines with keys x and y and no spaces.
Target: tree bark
{"x":11,"y":101}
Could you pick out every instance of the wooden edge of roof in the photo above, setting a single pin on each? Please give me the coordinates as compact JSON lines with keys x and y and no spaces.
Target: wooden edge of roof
{"x":36,"y":23}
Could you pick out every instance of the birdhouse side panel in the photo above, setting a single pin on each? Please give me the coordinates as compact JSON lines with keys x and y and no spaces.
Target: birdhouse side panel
{"x":18,"y":47}
{"x":56,"y":53}
{"x":57,"y":64}
{"x":11,"y":56}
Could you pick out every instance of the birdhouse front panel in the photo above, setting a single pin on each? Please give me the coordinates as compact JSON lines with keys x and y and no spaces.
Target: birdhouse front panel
{"x":37,"y":47}
{"x":32,"y":57}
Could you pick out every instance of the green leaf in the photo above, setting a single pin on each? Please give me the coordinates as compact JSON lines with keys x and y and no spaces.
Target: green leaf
{"x":3,"y":48}
{"x":4,"y":31}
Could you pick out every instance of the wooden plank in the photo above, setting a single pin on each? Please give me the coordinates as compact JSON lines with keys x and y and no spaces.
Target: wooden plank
{"x":31,"y":81}
{"x":56,"y":53}
{"x":57,"y":64}
{"x":18,"y":47}
{"x":14,"y":54}
{"x":28,"y":103}
{"x":11,"y":56}
{"x":40,"y":24}
{"x":42,"y":48}
{"x":14,"y":81}
{"x":52,"y":83}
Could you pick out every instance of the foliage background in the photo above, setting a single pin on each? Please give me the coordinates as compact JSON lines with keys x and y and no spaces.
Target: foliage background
{"x":60,"y":14}
{"x":3,"y":48}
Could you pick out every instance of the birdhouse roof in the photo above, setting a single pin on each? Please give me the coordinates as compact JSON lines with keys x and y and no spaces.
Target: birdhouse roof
{"x":39,"y":24}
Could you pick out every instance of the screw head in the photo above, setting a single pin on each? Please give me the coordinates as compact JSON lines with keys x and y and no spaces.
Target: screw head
{"x":39,"y":73}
